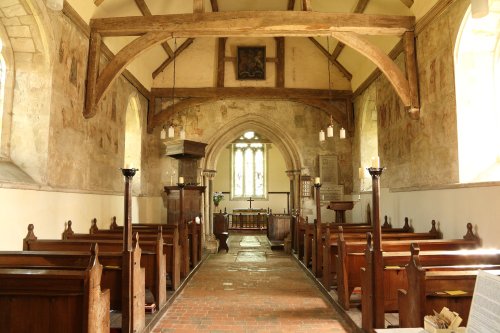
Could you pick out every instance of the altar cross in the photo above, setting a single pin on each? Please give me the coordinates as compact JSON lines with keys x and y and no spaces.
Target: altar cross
{"x":250,"y":200}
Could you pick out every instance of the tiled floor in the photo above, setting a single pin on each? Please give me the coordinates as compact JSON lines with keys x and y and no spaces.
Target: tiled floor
{"x":250,"y":289}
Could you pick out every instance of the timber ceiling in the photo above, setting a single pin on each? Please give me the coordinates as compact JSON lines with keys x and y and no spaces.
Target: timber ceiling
{"x":148,"y":65}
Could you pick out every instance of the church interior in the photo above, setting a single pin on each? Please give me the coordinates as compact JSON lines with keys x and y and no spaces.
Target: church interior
{"x":242,"y":139}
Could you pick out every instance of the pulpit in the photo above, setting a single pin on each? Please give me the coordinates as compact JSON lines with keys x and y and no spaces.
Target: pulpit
{"x":192,"y":202}
{"x":340,"y":207}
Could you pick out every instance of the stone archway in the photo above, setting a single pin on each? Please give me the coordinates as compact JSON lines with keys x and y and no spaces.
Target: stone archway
{"x":260,"y":124}
{"x":233,"y":129}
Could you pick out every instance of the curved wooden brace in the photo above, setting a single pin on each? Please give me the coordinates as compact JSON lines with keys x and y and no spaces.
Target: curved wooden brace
{"x":116,"y":66}
{"x":383,"y":62}
{"x":161,"y":117}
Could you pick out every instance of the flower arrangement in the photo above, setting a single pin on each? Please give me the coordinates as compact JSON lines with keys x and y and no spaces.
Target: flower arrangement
{"x":218,"y":197}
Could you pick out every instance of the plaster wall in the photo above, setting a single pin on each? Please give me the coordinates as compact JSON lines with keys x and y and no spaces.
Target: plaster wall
{"x":48,"y":211}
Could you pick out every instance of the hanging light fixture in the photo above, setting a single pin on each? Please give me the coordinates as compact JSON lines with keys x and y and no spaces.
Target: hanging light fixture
{"x":171,"y":130}
{"x":55,"y":4}
{"x":329,"y":130}
{"x":479,"y":8}
{"x":163,"y":133}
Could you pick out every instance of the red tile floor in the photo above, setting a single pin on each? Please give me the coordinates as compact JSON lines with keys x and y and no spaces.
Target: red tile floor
{"x":250,"y":289}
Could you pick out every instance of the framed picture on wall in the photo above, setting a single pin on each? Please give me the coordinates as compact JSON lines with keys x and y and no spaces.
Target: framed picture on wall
{"x":251,"y":62}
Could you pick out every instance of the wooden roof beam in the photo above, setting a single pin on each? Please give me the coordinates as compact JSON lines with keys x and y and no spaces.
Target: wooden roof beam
{"x":98,"y":2}
{"x":164,"y":64}
{"x":254,"y":24}
{"x":252,"y":93}
{"x":332,"y":59}
{"x":407,"y":3}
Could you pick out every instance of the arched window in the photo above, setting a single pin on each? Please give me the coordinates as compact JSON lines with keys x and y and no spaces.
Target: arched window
{"x":477,"y":79}
{"x":133,"y":142}
{"x":249,"y":167}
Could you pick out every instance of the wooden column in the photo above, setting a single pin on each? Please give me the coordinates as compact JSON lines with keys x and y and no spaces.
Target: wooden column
{"x":378,"y":269}
{"x":127,"y":297}
{"x":317,"y":229}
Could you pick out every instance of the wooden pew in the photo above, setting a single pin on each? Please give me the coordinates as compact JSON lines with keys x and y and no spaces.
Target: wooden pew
{"x":155,"y":280}
{"x":329,"y":248}
{"x":55,"y":300}
{"x":153,"y":258}
{"x":173,"y":249}
{"x":394,"y":274}
{"x":313,"y":249}
{"x":428,"y":291}
{"x":351,"y":257}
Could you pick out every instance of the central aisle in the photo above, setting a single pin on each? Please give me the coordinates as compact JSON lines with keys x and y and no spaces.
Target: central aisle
{"x":250,"y":289}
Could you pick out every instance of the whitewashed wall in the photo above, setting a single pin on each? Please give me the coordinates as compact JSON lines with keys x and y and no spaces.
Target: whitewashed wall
{"x":451,"y":208}
{"x":49,"y":211}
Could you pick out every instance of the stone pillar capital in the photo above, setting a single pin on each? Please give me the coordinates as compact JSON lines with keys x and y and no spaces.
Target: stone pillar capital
{"x":293,"y":174}
{"x":210,"y":174}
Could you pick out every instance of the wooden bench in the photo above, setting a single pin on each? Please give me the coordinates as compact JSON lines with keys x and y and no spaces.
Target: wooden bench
{"x":394,"y":273}
{"x":351,"y":257}
{"x":428,"y":291}
{"x":172,"y":245}
{"x":152,"y":276}
{"x":330,"y":247}
{"x":57,"y":300}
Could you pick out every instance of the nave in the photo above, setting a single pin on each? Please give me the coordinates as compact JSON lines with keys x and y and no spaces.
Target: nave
{"x":250,"y":289}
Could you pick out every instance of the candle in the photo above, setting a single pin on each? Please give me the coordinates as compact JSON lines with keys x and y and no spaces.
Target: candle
{"x":342,"y":133}
{"x":181,"y":180}
{"x":163,"y":134}
{"x":376,"y":162}
{"x":317,"y":180}
{"x":321,"y":136}
{"x":128,"y":166}
{"x":329,"y":131}
{"x":182,"y":134}
{"x":361,"y":173}
{"x":171,"y":132}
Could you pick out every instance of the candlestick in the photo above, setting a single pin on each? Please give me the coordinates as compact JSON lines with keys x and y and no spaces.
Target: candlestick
{"x":181,"y":180}
{"x":317,"y":180}
{"x":376,"y":162}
